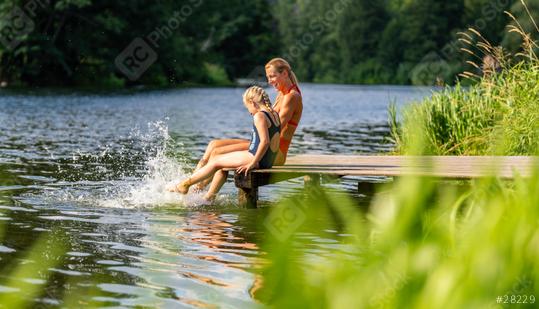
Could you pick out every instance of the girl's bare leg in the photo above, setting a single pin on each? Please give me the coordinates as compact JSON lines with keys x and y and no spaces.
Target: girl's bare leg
{"x":238,"y":145}
{"x":229,"y":160}
{"x":219,"y":179}
{"x":215,"y":144}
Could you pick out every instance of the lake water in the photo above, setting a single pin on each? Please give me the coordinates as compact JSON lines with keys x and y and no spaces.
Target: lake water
{"x":93,"y":168}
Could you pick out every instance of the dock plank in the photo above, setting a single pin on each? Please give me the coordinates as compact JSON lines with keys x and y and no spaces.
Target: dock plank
{"x":449,"y":167}
{"x":437,"y":166}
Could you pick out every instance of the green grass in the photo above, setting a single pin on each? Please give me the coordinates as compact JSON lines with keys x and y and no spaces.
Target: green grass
{"x":499,"y":115}
{"x":471,"y":121}
{"x":47,"y":252}
{"x":421,"y":244}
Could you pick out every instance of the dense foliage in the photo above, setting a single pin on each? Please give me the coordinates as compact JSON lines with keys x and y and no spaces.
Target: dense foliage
{"x":497,"y":115}
{"x":87,"y":42}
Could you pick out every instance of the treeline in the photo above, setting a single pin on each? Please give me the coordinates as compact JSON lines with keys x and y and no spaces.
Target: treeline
{"x":122,"y":43}
{"x":394,"y":41}
{"x":98,"y":42}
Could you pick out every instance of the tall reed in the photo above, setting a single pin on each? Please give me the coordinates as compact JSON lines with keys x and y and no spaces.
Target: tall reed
{"x":497,"y":115}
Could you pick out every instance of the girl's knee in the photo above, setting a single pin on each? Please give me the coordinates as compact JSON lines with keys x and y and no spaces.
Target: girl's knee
{"x":212,"y":144}
{"x":217,"y":151}
{"x":214,"y":153}
{"x":215,"y":165}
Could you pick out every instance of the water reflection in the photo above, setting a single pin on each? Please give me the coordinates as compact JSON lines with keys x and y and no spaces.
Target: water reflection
{"x":94,"y":168}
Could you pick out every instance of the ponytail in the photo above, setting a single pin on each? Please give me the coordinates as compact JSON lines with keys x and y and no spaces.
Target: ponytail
{"x":293,"y":77}
{"x":282,"y":65}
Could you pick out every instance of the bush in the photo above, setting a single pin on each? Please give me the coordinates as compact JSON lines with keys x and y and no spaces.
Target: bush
{"x":497,"y":115}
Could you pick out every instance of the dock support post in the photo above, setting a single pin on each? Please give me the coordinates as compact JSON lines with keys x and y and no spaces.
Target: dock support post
{"x":311,"y":181}
{"x":247,"y":189}
{"x":247,"y":198}
{"x":367,"y":188}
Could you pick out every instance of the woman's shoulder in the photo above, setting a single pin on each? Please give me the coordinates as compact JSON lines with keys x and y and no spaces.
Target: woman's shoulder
{"x":292,"y":96}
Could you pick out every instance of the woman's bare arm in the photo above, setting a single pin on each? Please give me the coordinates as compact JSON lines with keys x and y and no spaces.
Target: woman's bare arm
{"x":288,"y":106}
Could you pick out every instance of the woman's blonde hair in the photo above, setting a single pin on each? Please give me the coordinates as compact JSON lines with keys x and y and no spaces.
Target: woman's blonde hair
{"x":282,"y":65}
{"x":259,"y":96}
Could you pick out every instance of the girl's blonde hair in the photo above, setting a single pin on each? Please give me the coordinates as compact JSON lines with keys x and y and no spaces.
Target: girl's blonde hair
{"x":259,"y":96}
{"x":282,"y":65}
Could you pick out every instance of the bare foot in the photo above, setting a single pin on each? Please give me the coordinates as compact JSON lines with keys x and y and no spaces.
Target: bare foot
{"x":182,"y":187}
{"x":201,"y":185}
{"x":210,"y":198}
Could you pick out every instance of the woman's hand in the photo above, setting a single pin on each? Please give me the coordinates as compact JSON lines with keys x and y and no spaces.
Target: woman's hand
{"x":246,"y":168}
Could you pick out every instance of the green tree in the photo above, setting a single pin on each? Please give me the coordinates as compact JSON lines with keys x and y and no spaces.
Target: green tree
{"x":487,"y":17}
{"x":242,"y":35}
{"x":418,"y":29}
{"x":293,"y":25}
{"x":359,"y":29}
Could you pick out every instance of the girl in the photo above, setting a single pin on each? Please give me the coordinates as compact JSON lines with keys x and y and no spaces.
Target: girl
{"x":261,"y":151}
{"x":288,"y":104}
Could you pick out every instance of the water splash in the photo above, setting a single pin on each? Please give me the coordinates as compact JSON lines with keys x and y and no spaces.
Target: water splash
{"x":162,"y":171}
{"x":162,"y":164}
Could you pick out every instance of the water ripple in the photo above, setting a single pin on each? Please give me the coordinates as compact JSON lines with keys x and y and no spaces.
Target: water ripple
{"x":94,"y":168}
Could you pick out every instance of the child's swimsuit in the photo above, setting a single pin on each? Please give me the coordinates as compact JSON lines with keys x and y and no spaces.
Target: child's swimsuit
{"x":269,"y":156}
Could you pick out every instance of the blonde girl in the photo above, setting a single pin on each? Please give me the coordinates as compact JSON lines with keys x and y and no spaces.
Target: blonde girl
{"x":288,"y":105}
{"x":261,"y":151}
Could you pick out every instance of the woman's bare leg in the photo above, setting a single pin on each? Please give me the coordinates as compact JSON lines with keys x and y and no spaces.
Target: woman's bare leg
{"x":229,"y":160}
{"x":280,"y":159}
{"x":218,"y":180}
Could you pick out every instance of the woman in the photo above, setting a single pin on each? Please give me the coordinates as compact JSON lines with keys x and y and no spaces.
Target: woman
{"x":261,"y":152}
{"x":288,"y":105}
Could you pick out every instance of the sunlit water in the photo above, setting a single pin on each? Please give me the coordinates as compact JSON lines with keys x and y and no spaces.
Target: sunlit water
{"x":95,"y":167}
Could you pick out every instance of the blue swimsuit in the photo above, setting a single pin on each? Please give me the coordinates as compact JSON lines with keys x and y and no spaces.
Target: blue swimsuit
{"x":269,"y":156}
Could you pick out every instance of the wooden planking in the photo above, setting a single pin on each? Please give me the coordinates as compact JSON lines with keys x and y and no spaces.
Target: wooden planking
{"x":456,"y":167}
{"x":436,"y":166}
{"x":391,"y":160}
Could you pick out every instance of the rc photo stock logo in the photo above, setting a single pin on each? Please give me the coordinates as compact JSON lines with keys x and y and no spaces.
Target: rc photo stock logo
{"x":135,"y":59}
{"x":138,"y":56}
{"x":285,"y":220}
{"x":13,"y":26}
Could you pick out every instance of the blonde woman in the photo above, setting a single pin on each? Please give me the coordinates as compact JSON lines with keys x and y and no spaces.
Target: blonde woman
{"x":260,"y":153}
{"x":288,"y":105}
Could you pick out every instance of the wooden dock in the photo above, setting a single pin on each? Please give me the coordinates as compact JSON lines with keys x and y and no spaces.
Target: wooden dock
{"x":311,"y":167}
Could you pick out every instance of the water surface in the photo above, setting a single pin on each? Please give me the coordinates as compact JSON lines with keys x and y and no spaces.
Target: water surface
{"x":94,"y":168}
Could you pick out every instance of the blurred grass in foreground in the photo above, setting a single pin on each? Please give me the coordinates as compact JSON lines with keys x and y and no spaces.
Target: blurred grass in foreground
{"x":24,"y":280}
{"x":28,"y":281}
{"x":421,"y":244}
